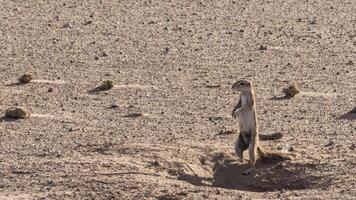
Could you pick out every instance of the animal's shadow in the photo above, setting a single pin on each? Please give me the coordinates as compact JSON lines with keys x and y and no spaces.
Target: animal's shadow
{"x":350,"y":115}
{"x":14,"y":84}
{"x":280,"y":98}
{"x":270,"y":176}
{"x":7,"y":119}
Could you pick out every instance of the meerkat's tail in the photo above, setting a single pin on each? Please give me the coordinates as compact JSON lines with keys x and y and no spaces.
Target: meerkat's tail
{"x":274,"y":155}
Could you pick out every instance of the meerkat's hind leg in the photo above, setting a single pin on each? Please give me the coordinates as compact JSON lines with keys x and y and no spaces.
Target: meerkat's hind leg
{"x":240,"y":147}
{"x":252,"y":153}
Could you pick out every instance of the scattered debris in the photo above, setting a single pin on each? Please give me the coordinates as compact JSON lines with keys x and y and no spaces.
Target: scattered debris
{"x":67,"y":25}
{"x":350,"y":63}
{"x":203,"y":160}
{"x":104,"y":54}
{"x":227,"y":132}
{"x":312,"y":21}
{"x":106,"y":85}
{"x":154,"y":163}
{"x":215,"y":118}
{"x":213,"y":86}
{"x":286,"y":148}
{"x":166,"y":50}
{"x":352,"y":147}
{"x":26,"y":78}
{"x":112,"y":106}
{"x":329,"y":143}
{"x":262,"y":48}
{"x":134,"y":115}
{"x":291,"y":91}
{"x":168,"y":197}
{"x":16,"y":113}
{"x":88,"y":22}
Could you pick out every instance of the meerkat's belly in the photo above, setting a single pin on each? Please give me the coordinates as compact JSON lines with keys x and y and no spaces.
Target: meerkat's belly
{"x":247,"y":121}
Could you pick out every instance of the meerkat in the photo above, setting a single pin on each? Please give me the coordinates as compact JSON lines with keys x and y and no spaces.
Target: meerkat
{"x":248,"y":138}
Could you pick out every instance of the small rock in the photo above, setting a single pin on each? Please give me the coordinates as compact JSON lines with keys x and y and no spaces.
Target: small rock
{"x":262,"y":48}
{"x":203,"y":160}
{"x":166,"y":50}
{"x":134,"y":115}
{"x":312,"y":21}
{"x":154,"y":163}
{"x":329,"y":143}
{"x":67,"y":25}
{"x":104,"y":54}
{"x":350,"y":63}
{"x":88,"y":22}
{"x":227,"y":132}
{"x":106,"y":85}
{"x":287,"y":148}
{"x":290,"y":91}
{"x":16,"y":113}
{"x":213,"y":86}
{"x":112,"y":106}
{"x":26,"y":78}
{"x":50,"y":89}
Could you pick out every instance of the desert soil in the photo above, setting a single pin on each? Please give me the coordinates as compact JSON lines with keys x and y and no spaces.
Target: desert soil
{"x":165,"y":131}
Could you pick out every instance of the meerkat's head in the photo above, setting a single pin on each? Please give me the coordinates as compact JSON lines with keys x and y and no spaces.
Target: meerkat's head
{"x":242,"y":86}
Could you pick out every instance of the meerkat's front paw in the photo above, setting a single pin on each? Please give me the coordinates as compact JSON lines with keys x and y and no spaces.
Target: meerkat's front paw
{"x":235,"y":113}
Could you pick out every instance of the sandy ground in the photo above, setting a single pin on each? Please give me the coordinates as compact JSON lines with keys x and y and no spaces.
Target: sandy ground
{"x":171,"y":134}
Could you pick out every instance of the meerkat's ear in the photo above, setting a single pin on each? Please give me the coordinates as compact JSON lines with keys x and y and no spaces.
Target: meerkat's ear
{"x":243,"y":82}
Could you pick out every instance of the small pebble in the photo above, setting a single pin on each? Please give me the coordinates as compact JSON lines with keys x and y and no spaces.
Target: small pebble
{"x":26,"y":78}
{"x":112,"y":106}
{"x":262,"y":48}
{"x":291,"y":91}
{"x":350,"y":63}
{"x":67,"y":25}
{"x":329,"y":143}
{"x":16,"y":113}
{"x":88,"y":22}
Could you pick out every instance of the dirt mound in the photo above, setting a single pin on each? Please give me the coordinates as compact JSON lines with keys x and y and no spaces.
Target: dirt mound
{"x":223,"y":171}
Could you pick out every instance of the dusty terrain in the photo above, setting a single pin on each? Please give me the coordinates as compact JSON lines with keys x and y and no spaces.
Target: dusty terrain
{"x":165,"y":131}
